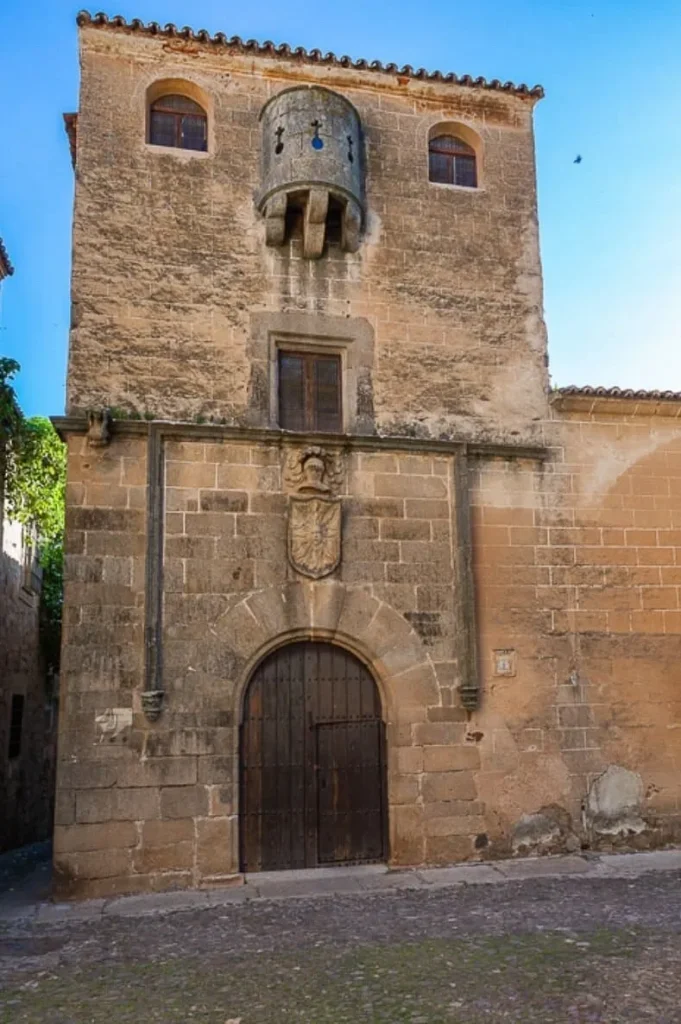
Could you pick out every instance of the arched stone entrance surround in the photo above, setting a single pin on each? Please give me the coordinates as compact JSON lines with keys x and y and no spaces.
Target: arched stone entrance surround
{"x":375,"y":633}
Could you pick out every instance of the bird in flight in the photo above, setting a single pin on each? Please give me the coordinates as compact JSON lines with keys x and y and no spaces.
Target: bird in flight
{"x":577,"y":159}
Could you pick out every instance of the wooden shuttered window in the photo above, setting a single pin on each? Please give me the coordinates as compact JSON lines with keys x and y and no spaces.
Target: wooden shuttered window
{"x":451,"y":161}
{"x":310,"y":392}
{"x":179,"y":122}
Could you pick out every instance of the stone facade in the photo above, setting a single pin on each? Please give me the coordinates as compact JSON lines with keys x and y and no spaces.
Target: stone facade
{"x":506,"y":562}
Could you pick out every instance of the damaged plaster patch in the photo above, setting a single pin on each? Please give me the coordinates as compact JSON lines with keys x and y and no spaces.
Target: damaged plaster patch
{"x":613,"y":802}
{"x":549,"y":830}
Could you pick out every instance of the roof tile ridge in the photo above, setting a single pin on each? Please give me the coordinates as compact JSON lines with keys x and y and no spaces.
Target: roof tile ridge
{"x":314,"y":56}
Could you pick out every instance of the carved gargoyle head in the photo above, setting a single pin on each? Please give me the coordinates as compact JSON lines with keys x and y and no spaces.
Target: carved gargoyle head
{"x":99,"y":428}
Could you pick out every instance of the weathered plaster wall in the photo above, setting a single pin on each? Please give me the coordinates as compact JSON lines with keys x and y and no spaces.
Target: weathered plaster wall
{"x":170,"y":260}
{"x":576,"y":573}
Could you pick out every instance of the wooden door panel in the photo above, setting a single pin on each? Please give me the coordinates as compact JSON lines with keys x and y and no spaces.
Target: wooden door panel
{"x":311,"y":758}
{"x":350,"y":791}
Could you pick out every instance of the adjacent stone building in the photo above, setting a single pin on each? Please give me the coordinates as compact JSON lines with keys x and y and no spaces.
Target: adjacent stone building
{"x":28,"y":730}
{"x":27,"y":694}
{"x":346,"y":581}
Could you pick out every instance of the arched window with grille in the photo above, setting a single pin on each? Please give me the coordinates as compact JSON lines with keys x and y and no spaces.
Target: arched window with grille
{"x":177,"y":121}
{"x":451,"y":161}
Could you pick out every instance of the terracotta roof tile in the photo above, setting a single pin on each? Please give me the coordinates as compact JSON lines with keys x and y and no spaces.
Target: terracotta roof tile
{"x":6,"y":268}
{"x":269,"y":49}
{"x":600,"y":392}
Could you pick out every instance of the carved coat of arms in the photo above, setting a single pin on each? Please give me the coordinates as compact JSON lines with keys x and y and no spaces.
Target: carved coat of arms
{"x":314,"y":527}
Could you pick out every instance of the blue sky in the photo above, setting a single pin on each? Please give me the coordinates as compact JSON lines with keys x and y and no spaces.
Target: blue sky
{"x":610,"y":226}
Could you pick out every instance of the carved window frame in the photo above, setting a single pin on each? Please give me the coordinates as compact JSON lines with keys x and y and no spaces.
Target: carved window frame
{"x":352,"y":339}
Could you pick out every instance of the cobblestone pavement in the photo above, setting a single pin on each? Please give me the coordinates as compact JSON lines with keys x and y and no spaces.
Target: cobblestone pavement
{"x":603,"y":945}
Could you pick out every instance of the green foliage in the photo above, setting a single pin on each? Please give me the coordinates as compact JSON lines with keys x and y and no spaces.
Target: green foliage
{"x":35,"y":496}
{"x":119,"y":413}
{"x":36,"y":480}
{"x":33,"y":472}
{"x":10,"y":413}
{"x":51,"y":599}
{"x":11,"y":416}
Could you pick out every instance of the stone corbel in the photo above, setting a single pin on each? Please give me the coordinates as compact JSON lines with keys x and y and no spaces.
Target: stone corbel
{"x":275,"y":219}
{"x":352,"y":225}
{"x":469,"y":692}
{"x":315,"y":205}
{"x":152,"y":704}
{"x":314,"y":223}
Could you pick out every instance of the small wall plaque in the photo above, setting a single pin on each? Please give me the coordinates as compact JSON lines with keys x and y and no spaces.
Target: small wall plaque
{"x":113,"y":725}
{"x":504,"y":663}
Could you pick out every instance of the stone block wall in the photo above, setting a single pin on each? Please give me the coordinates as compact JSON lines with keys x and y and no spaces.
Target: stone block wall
{"x":229,"y":594}
{"x":577,"y":603}
{"x":102,"y":661}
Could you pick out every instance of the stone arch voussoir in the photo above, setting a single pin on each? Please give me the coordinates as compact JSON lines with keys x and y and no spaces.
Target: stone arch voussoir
{"x":349,"y":616}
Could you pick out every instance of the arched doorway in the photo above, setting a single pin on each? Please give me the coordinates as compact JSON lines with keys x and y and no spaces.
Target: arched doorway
{"x":312,"y":764}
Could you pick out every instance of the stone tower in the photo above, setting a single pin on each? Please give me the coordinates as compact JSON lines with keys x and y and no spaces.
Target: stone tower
{"x":344,"y":583}
{"x":337,"y":570}
{"x":187,"y":263}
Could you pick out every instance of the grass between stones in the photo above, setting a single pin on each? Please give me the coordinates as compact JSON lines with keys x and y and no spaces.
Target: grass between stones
{"x":549,"y":977}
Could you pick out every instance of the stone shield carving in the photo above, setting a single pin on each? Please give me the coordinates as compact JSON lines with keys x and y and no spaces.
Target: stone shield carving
{"x":314,"y":526}
{"x":314,"y":535}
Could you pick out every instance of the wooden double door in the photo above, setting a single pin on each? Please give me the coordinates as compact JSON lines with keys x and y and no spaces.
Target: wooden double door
{"x":312,"y":764}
